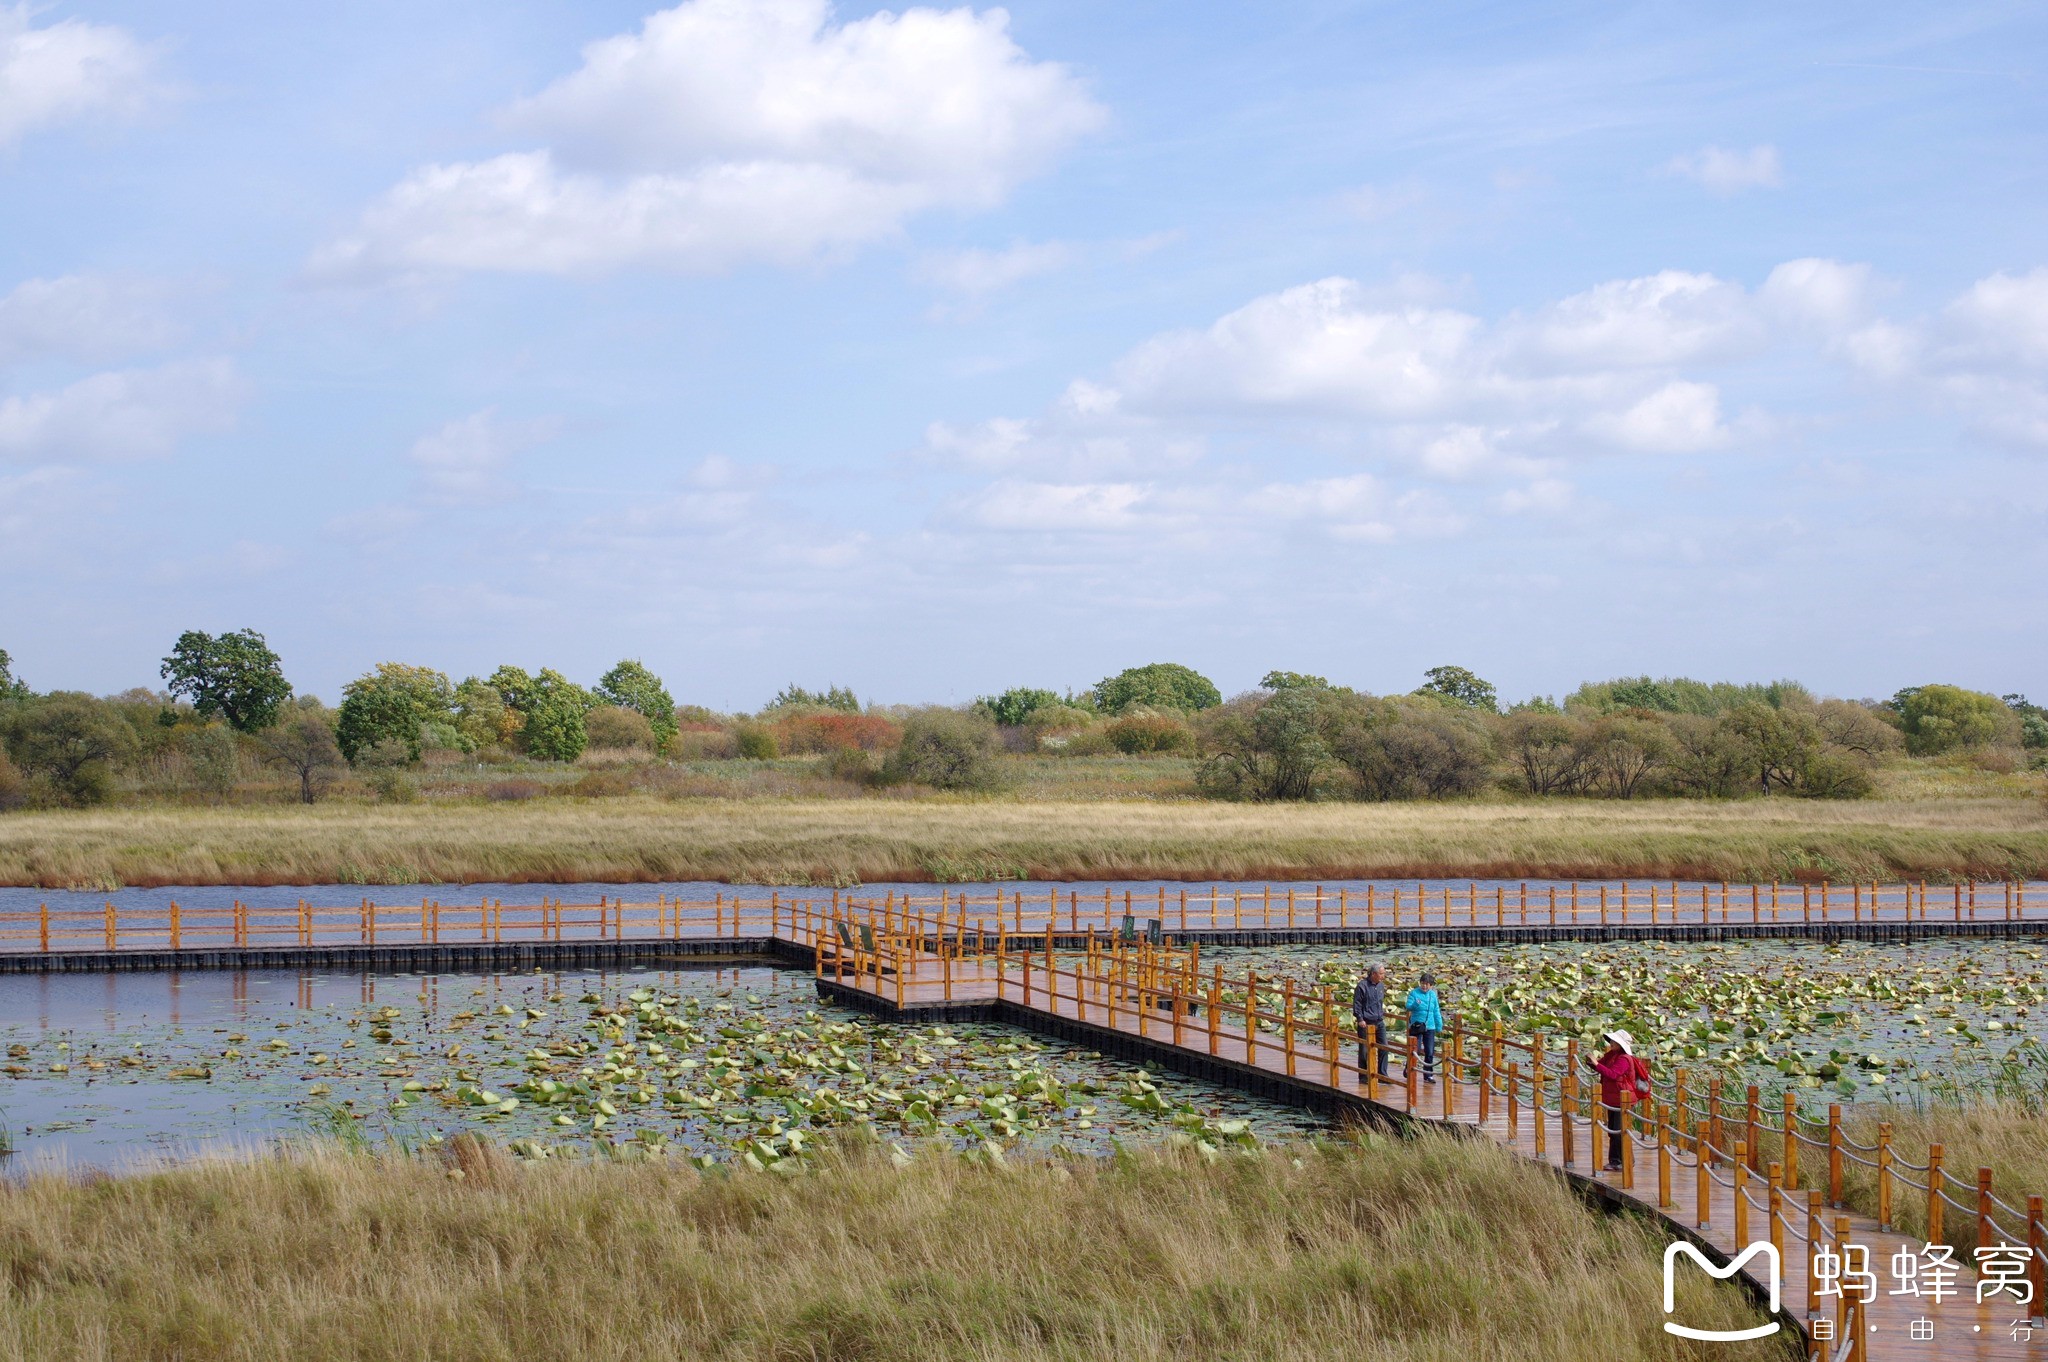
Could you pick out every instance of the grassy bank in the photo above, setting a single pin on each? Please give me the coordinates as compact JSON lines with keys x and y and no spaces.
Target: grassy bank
{"x":1427,"y":1250}
{"x":844,"y":841}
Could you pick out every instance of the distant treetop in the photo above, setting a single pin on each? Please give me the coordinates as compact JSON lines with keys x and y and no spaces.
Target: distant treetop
{"x":234,"y":677}
{"x":1293,"y":681}
{"x":1161,"y":685}
{"x":837,"y":697}
{"x":1017,"y":704}
{"x":1460,"y":687}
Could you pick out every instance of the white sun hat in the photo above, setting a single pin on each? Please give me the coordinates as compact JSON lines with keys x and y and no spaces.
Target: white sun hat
{"x":1623,"y":1039}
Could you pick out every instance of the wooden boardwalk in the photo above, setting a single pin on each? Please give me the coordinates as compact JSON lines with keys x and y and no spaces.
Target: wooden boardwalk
{"x":1163,"y":1012}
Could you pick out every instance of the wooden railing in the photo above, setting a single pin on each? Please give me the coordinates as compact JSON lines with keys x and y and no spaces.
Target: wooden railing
{"x":1533,"y":1083}
{"x":1560,"y":903}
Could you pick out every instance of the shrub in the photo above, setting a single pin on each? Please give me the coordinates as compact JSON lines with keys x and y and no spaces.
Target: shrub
{"x":391,"y":704}
{"x":835,"y":697}
{"x":1268,"y":746}
{"x":216,"y":759}
{"x":1626,"y":753}
{"x":13,"y":789}
{"x":706,"y":743}
{"x":513,"y":791}
{"x":947,"y":750}
{"x":394,"y":786}
{"x":1939,"y":719}
{"x":836,"y":731}
{"x":1549,"y":751}
{"x":1142,"y":734}
{"x":69,"y":743}
{"x":1414,"y":748}
{"x":852,"y":765}
{"x":1018,"y":704}
{"x":1162,"y":685}
{"x":616,"y":726}
{"x":756,"y":743}
{"x":630,"y":686}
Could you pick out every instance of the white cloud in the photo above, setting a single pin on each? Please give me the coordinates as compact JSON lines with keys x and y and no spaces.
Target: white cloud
{"x":1824,"y":294}
{"x":128,"y":414}
{"x":1722,"y":171}
{"x":976,"y":273}
{"x":464,"y":460}
{"x":1659,"y":320}
{"x":66,"y":72}
{"x":1545,"y":496}
{"x":86,"y":317}
{"x":1678,"y":418}
{"x":735,"y":130}
{"x":1095,"y":506}
{"x":2002,"y":321}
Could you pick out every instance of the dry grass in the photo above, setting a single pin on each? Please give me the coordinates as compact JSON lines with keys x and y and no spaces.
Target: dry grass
{"x":845,"y":841}
{"x":2009,"y":1138}
{"x":1435,"y":1249}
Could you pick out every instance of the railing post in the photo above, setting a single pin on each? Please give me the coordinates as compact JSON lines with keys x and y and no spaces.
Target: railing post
{"x":174,"y":921}
{"x":1935,"y":1204}
{"x":43,"y":914}
{"x":1774,"y":1208}
{"x":1702,"y":1183}
{"x":1413,"y":1087}
{"x":1834,"y":1154}
{"x":1791,"y":1140}
{"x":1514,"y":1093}
{"x":1215,"y":1006}
{"x":1287,"y":1020}
{"x":1751,"y":1116}
{"x":2037,"y":1242}
{"x":1251,"y":1018}
{"x":1628,"y":1147}
{"x":1663,"y":1156}
{"x":1984,"y":1225}
{"x":1813,"y":1244}
{"x":1741,"y":1188}
{"x":1884,"y":1176}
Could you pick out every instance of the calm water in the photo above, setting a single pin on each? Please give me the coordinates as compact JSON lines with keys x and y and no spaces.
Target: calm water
{"x":110,"y":1070}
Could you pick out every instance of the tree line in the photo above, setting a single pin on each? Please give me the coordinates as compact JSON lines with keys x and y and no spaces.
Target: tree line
{"x":225,"y":703}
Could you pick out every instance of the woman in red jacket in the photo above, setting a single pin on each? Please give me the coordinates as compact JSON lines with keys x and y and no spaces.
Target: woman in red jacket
{"x":1620,"y":1071}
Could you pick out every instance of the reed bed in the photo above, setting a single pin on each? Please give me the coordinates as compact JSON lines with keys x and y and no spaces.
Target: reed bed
{"x":847,"y":841}
{"x":1430,"y":1249}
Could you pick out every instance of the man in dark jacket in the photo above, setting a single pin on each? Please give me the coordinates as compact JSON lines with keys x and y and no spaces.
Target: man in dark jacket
{"x":1369,"y":1010}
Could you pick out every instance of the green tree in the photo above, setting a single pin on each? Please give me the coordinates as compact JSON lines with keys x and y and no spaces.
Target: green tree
{"x":391,"y":704}
{"x":483,"y":718}
{"x":235,"y":677}
{"x":71,"y":743}
{"x":1937,"y":719}
{"x":1293,"y":681}
{"x":1461,"y":687}
{"x":615,"y":726}
{"x":1016,"y":705}
{"x":1267,"y":746}
{"x":554,"y":728}
{"x":1161,"y":685}
{"x":12,"y":687}
{"x":302,"y":742}
{"x":1410,"y":747}
{"x":836,"y":697}
{"x":629,"y":685}
{"x":947,"y":750}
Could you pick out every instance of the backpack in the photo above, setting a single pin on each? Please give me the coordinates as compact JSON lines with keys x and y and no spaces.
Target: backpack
{"x":1642,"y":1074}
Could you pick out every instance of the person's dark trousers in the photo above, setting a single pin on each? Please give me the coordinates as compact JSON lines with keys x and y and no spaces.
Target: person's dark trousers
{"x":1425,"y":1049}
{"x":1369,"y":1035}
{"x":1614,"y":1138}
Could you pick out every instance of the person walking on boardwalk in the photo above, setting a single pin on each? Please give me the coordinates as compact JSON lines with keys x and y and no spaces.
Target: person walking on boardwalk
{"x":1623,"y":1079}
{"x":1369,"y":1010}
{"x":1425,"y":1019}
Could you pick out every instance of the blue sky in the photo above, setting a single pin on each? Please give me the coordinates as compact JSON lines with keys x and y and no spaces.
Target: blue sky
{"x":941,"y":350}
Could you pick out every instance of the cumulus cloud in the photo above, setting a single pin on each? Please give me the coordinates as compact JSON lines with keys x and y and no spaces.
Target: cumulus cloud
{"x":464,"y":460}
{"x":1671,"y":317}
{"x":1722,"y":171}
{"x":1678,"y":418}
{"x":82,"y":317}
{"x":128,"y":414}
{"x":735,"y":130}
{"x":68,"y":71}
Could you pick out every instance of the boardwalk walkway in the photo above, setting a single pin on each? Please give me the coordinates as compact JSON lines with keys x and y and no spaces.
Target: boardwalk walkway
{"x":1770,"y":1182}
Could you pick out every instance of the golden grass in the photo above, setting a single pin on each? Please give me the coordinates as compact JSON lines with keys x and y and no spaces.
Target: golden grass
{"x":1435,"y":1249}
{"x":2009,"y":1138}
{"x":845,"y":841}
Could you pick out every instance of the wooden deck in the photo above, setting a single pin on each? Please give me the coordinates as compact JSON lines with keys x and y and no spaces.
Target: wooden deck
{"x":1106,"y":1016}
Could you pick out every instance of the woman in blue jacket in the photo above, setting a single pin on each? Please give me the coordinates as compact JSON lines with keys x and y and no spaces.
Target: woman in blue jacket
{"x":1425,"y":1019}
